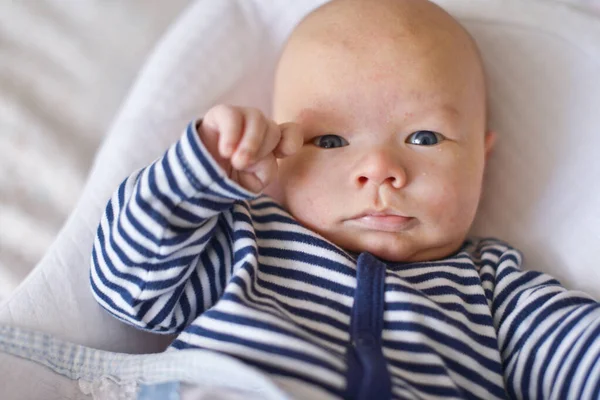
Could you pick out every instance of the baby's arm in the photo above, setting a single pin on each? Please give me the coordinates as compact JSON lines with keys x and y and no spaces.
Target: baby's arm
{"x":549,"y":337}
{"x":163,"y":250}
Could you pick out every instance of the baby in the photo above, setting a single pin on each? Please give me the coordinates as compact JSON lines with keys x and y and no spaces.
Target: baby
{"x":351,"y":275}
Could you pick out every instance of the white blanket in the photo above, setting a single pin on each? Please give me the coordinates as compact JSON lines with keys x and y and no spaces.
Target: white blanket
{"x":64,"y":69}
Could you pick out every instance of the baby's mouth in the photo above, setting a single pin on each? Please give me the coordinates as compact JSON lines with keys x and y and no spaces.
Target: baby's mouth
{"x":384,"y":220}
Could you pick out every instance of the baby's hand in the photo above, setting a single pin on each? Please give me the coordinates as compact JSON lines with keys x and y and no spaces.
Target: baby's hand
{"x":246,"y":143}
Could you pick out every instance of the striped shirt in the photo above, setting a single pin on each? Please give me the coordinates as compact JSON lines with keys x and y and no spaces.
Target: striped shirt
{"x":183,"y":249}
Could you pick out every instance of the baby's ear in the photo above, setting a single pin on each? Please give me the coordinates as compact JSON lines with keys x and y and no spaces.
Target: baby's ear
{"x":490,"y":140}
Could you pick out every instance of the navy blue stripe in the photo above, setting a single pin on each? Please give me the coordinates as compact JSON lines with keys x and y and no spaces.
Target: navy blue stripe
{"x":264,"y":219}
{"x":596,"y":391}
{"x":203,"y":159}
{"x":573,"y":341}
{"x":521,"y":284}
{"x":264,"y":306}
{"x":464,"y":265}
{"x":306,"y":277}
{"x":256,"y":323}
{"x":471,"y":374}
{"x":588,"y":380}
{"x":169,"y":307}
{"x":298,"y":237}
{"x":444,"y":339}
{"x":554,"y":329}
{"x":588,"y":343}
{"x":244,"y":234}
{"x":431,"y":312}
{"x":198,"y":291}
{"x":185,"y":305}
{"x":143,"y":310}
{"x":199,"y":202}
{"x":107,"y":299}
{"x":428,"y":384}
{"x":216,"y":246}
{"x":544,"y":310}
{"x":264,"y":201}
{"x":242,"y":217}
{"x":297,"y":294}
{"x":150,"y":266}
{"x":313,"y":259}
{"x":471,"y":299}
{"x":200,"y":157}
{"x":481,"y":319}
{"x":252,"y":344}
{"x":164,"y":222}
{"x":541,"y":340}
{"x":207,"y":266}
{"x":133,"y":279}
{"x":148,"y":253}
{"x":487,"y":277}
{"x":459,"y":280}
{"x":297,"y":311}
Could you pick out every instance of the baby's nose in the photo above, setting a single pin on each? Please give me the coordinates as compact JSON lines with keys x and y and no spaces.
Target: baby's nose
{"x":378,"y":168}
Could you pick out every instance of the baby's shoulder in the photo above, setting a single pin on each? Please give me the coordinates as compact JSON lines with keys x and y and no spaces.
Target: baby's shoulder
{"x":492,"y":252}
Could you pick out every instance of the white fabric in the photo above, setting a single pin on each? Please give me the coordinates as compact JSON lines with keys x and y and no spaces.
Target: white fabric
{"x":542,"y":195}
{"x":64,"y":69}
{"x":64,"y":370}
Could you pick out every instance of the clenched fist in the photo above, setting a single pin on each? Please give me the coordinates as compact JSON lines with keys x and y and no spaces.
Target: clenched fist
{"x":246,"y":144}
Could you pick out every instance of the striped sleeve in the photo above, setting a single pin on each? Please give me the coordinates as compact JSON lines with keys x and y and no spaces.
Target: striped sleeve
{"x":162,"y":252}
{"x":549,"y":337}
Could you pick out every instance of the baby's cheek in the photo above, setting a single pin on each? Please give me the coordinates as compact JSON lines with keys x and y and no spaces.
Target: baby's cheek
{"x":444,"y":203}
{"x":301,"y":185}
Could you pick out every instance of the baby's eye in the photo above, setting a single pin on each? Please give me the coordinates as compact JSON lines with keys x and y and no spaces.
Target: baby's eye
{"x":330,"y":141}
{"x":425,"y":138}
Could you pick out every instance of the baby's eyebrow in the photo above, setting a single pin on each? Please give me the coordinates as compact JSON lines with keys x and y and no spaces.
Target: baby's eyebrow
{"x":312,"y":115}
{"x":307,"y":114}
{"x":444,"y":108}
{"x":451,"y":109}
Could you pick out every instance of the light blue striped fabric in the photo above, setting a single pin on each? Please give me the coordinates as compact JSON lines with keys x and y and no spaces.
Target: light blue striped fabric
{"x":151,"y":376}
{"x":159,"y":391}
{"x":184,"y":249}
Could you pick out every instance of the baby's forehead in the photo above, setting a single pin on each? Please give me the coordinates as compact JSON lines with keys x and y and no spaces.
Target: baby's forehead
{"x":340,"y":20}
{"x":388,"y":34}
{"x":365,"y":120}
{"x":390,"y":50}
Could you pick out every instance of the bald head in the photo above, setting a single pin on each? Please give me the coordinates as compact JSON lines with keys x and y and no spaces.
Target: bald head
{"x":386,"y":37}
{"x":410,"y":19}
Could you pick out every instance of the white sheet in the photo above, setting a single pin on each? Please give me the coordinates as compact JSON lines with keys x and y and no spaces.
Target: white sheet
{"x":64,"y":69}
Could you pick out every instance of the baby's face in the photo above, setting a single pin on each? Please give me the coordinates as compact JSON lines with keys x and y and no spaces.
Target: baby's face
{"x":394,"y":142}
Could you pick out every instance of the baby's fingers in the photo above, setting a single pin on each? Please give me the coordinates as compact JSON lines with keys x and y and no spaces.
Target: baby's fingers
{"x":259,"y":175}
{"x":227,"y":123}
{"x":255,"y":127}
{"x":292,"y":139}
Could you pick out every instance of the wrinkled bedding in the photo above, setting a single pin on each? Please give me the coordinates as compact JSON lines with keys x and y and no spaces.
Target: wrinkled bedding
{"x":63,"y":73}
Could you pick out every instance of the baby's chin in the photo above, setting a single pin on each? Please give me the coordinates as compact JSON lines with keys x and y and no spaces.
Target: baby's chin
{"x":391,"y":254}
{"x":394,"y":247}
